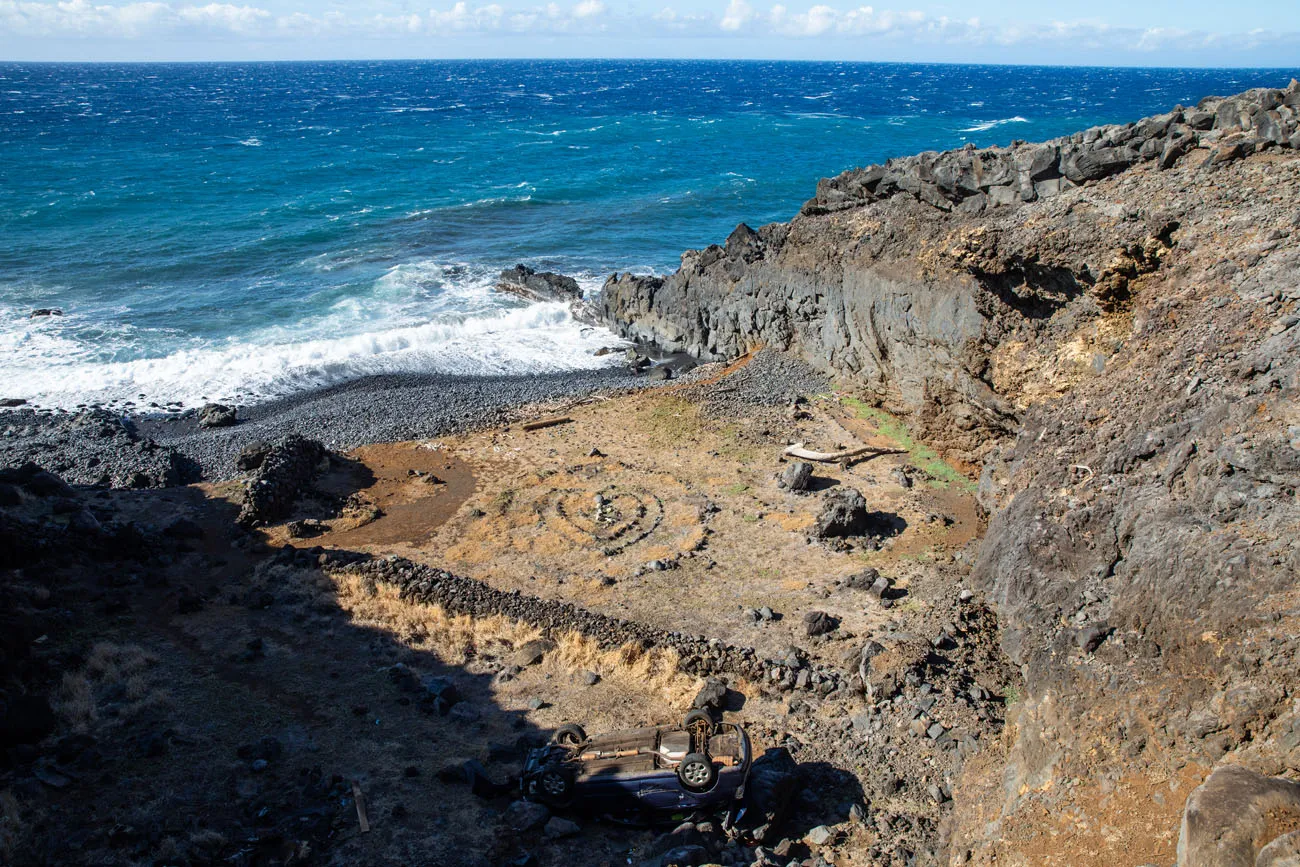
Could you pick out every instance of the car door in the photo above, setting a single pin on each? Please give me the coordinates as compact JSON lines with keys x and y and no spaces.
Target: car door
{"x":661,"y":792}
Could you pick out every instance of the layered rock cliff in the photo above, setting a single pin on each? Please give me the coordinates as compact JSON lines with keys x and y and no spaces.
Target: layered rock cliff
{"x":1107,"y":327}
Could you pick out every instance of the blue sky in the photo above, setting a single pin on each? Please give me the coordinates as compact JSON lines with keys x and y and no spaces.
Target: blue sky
{"x":1103,"y":32}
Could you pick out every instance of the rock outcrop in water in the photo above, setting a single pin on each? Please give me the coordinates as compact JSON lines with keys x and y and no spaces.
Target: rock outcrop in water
{"x":546,"y":286}
{"x":1109,"y":325}
{"x":534,"y":285}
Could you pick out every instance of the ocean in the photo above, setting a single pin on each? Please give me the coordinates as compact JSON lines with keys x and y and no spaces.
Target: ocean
{"x":241,"y":232}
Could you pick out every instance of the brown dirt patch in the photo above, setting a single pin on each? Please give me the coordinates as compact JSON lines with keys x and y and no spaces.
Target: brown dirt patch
{"x":416,"y":486}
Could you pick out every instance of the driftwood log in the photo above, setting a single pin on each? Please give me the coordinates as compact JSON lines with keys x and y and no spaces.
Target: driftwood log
{"x":798,"y":451}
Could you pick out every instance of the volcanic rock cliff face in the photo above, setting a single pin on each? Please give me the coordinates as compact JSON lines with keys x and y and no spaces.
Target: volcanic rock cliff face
{"x":1109,"y":325}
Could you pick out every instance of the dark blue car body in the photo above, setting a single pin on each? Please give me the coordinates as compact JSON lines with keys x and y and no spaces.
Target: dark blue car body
{"x":638,"y":770}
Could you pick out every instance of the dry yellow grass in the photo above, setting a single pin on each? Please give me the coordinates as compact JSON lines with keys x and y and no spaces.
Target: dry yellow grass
{"x":74,"y":701}
{"x":110,"y":668}
{"x":630,"y":666}
{"x":457,"y":638}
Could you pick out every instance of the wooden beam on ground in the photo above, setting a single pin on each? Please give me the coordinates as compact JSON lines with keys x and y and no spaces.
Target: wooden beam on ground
{"x":546,"y":422}
{"x":360,"y":800}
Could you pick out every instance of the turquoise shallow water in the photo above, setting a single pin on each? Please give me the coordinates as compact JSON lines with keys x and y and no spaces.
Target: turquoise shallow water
{"x":250,"y":230}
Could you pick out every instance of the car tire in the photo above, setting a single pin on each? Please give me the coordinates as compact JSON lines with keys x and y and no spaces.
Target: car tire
{"x":696,"y":772}
{"x":569,"y":735}
{"x":555,"y":786}
{"x":696,"y":717}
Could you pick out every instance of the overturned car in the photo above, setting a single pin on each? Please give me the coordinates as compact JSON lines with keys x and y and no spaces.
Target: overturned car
{"x":699,"y":764}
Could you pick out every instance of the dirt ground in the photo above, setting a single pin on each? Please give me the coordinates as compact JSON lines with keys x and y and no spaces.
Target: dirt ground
{"x":699,"y":531}
{"x":236,"y":698}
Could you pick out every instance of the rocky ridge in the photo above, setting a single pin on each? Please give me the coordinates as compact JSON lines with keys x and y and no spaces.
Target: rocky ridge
{"x":974,"y":180}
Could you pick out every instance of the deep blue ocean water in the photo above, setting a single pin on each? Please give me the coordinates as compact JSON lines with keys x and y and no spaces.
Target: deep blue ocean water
{"x":248,"y":230}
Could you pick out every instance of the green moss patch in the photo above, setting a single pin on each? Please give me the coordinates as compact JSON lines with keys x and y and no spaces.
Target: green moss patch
{"x":920,"y":455}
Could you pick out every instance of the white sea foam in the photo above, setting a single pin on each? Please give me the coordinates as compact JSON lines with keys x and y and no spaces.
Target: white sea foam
{"x":398,"y":327}
{"x":985,"y":125}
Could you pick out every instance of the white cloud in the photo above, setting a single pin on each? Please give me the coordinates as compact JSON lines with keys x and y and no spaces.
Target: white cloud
{"x":237,"y":19}
{"x":814,"y":22}
{"x":738,"y":14}
{"x":821,"y":19}
{"x":850,"y":25}
{"x":461,"y":17}
{"x":129,"y":20}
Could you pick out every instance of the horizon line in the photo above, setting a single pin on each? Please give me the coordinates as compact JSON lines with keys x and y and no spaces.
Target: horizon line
{"x":1295,"y":70}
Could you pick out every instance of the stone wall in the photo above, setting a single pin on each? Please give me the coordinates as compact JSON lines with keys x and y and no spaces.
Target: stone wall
{"x":698,"y":655}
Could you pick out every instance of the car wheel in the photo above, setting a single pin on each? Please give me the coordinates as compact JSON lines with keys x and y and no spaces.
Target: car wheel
{"x":555,"y":786}
{"x":569,"y":735}
{"x":699,"y":718}
{"x":696,"y":772}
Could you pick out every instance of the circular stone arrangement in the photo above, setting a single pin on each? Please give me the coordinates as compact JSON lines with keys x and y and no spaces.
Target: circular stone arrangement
{"x":613,"y":518}
{"x":604,"y":516}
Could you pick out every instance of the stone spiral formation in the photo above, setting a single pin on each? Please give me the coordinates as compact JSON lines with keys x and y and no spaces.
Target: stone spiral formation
{"x":697,"y":655}
{"x":973,"y":180}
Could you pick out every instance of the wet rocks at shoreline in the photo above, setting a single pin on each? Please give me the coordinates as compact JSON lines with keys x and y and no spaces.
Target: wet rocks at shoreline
{"x":546,"y":287}
{"x":532,"y":285}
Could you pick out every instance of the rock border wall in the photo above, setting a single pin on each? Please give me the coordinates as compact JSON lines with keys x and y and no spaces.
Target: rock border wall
{"x":698,"y":656}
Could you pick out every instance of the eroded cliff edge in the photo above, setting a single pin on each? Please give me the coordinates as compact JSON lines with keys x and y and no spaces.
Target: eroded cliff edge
{"x":1106,"y":325}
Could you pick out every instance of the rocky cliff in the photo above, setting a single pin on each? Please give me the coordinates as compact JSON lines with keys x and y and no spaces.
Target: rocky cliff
{"x":1106,"y":326}
{"x":915,"y":277}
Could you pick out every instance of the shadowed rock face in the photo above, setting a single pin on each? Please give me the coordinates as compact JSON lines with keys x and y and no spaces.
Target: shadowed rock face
{"x":1117,"y":343}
